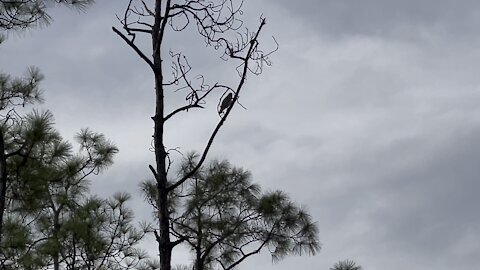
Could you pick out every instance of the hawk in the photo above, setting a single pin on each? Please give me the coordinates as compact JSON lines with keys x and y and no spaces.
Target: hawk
{"x":226,"y":103}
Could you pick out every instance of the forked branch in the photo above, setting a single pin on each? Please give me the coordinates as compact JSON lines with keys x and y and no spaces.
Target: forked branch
{"x":251,"y":50}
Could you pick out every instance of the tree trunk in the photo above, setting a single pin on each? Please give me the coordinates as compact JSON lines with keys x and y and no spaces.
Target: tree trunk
{"x":56,"y":228}
{"x":164,"y":244}
{"x":3,"y":182}
{"x":198,"y":249}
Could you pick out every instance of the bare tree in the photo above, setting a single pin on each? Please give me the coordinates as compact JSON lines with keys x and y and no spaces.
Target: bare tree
{"x":219,"y":23}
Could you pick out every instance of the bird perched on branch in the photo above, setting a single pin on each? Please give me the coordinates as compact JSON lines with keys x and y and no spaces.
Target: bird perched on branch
{"x":225,"y":103}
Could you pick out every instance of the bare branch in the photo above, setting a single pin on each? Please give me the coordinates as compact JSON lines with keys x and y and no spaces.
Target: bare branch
{"x":184,"y":108}
{"x":135,"y":48}
{"x":224,"y":118}
{"x":153,"y":171}
{"x":139,"y":30}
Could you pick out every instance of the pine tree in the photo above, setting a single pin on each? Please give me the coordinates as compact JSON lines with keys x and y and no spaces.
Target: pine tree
{"x":16,"y":15}
{"x":14,"y":92}
{"x":225,"y":218}
{"x":22,"y":14}
{"x":52,"y":221}
{"x":50,"y":218}
{"x":346,"y":265}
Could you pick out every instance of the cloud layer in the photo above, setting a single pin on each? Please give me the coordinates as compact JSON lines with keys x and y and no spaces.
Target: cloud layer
{"x":369,"y":117}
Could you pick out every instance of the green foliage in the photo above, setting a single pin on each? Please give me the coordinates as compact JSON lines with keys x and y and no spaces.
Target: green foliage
{"x":225,"y":218}
{"x":51,"y":221}
{"x":40,"y":160}
{"x":287,"y":221}
{"x":99,"y":233}
{"x":20,"y":91}
{"x":346,"y":265}
{"x":51,"y":218}
{"x":21,"y":14}
{"x":99,"y":150}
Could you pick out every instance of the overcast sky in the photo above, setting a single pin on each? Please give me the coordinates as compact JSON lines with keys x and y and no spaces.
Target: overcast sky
{"x":369,"y":116}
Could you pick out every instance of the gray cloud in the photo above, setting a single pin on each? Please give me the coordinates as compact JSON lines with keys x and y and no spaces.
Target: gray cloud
{"x":392,"y":18}
{"x":369,"y":117}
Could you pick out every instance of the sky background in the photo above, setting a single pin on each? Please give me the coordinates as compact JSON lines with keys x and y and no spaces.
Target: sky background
{"x":369,"y":117}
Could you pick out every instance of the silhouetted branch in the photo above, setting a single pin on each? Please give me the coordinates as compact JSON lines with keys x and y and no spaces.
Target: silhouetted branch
{"x":251,"y":49}
{"x":135,"y":48}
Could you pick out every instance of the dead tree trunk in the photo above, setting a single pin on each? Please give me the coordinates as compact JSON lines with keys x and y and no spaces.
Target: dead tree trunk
{"x":3,"y":182}
{"x":215,"y":21}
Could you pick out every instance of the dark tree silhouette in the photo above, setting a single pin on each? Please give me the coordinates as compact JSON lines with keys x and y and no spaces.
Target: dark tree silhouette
{"x":218,"y":22}
{"x":346,"y":265}
{"x":22,"y":14}
{"x":14,"y":92}
{"x":224,"y":218}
